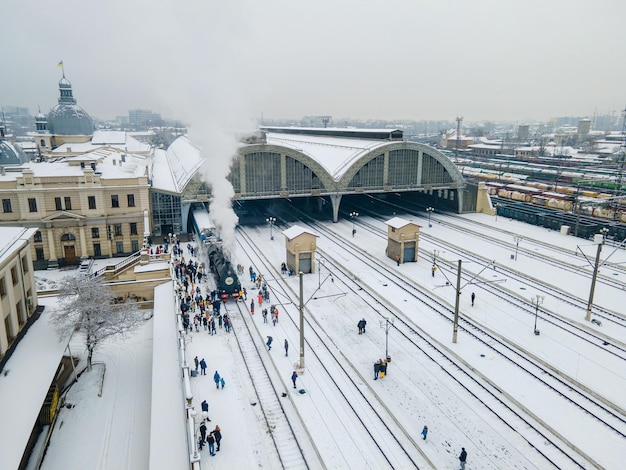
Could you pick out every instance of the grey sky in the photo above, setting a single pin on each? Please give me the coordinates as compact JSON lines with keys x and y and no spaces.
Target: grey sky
{"x":394,"y":59}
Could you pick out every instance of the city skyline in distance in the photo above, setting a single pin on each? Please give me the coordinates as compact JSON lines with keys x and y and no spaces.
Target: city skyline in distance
{"x":361,"y":60}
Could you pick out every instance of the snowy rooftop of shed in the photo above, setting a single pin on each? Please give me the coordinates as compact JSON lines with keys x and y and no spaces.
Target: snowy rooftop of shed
{"x":398,"y":222}
{"x":295,"y":230}
{"x":118,"y":139}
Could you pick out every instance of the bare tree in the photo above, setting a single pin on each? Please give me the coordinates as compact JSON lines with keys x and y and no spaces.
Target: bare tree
{"x":87,"y":305}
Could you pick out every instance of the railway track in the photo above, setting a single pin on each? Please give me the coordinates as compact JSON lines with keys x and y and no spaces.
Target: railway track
{"x":586,"y":404}
{"x":345,"y":377}
{"x":281,"y":417}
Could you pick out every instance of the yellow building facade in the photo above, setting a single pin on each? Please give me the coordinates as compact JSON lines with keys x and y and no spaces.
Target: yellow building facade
{"x":93,"y":205}
{"x":18,"y":293}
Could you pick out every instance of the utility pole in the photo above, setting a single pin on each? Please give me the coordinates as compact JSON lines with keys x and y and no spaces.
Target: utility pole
{"x":301,"y":308}
{"x":455,"y":328}
{"x":603,"y":231}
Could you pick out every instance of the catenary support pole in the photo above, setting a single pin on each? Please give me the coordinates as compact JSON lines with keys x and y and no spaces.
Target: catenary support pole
{"x":593,"y":282}
{"x":455,"y":329}
{"x":301,"y":308}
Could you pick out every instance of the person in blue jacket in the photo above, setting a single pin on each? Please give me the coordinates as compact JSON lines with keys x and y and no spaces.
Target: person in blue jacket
{"x":216,"y":379}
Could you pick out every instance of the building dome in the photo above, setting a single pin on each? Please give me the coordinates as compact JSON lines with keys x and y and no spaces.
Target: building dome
{"x":67,"y":118}
{"x":11,"y":154}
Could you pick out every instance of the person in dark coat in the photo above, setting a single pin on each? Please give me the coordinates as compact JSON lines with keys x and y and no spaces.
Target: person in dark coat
{"x":463,"y":458}
{"x":216,"y":379}
{"x":473,"y":298}
{"x":196,"y":362}
{"x":211,"y":441}
{"x":203,"y":431}
{"x":205,"y":409}
{"x":376,"y":369}
{"x":217,"y":433}
{"x":361,"y":326}
{"x":294,"y":376}
{"x":203,"y":366}
{"x":286,"y":348}
{"x":269,"y":342}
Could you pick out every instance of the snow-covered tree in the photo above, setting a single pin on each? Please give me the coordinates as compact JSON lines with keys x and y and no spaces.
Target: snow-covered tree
{"x":88,"y":306}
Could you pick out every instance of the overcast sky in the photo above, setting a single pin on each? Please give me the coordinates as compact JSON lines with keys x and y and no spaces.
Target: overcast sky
{"x":391,"y":59}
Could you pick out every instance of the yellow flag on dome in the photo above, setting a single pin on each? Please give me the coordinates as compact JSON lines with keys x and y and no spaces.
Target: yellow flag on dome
{"x":60,"y":64}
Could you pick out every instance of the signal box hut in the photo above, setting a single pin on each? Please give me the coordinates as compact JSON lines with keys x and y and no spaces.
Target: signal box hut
{"x":402,"y":239}
{"x":300,"y":246}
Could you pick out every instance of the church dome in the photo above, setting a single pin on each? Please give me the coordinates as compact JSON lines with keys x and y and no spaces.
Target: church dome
{"x":67,"y":118}
{"x":11,"y":154}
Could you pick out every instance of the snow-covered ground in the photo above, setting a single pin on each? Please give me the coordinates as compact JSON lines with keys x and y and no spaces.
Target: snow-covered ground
{"x":113,"y":431}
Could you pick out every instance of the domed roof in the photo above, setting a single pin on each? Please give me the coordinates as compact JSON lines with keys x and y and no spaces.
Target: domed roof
{"x":11,"y":154}
{"x":69,"y":119}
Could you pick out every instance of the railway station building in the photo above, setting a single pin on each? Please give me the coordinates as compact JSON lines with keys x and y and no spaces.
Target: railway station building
{"x":321,"y":164}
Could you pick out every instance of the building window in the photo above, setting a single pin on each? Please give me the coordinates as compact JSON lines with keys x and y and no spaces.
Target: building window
{"x":3,"y":288}
{"x":20,"y":312}
{"x":39,"y":254}
{"x":118,"y":230}
{"x":95,"y":232}
{"x":14,"y":276}
{"x":97,"y":251}
{"x":131,"y":200}
{"x":92,"y":201}
{"x":9,"y":329}
{"x":134,"y":245}
{"x":115,"y":201}
{"x":32,"y":204}
{"x":133,"y":228}
{"x":24,"y":264}
{"x":119,"y":246}
{"x":6,"y":206}
{"x":68,"y":203}
{"x":37,"y":237}
{"x":57,"y":204}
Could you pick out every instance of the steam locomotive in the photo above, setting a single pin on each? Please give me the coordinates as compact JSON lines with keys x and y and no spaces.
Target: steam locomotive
{"x":228,"y":285}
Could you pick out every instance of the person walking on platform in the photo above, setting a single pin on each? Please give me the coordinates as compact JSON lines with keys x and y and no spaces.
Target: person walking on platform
{"x":286,"y":348}
{"x":425,"y":432}
{"x":216,"y":379}
{"x":294,"y":376}
{"x":463,"y":458}
{"x":376,"y":369}
{"x":203,"y":366}
{"x":473,"y":298}
{"x":269,"y":343}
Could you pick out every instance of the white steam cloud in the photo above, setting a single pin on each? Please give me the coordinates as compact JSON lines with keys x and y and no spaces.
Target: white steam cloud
{"x":208,"y":85}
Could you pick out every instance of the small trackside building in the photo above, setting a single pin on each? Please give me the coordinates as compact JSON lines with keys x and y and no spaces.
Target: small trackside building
{"x":300,"y":245}
{"x":402,"y":240}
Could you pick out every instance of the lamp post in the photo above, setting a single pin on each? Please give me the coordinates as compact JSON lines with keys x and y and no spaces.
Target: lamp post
{"x":271,"y":221}
{"x":387,"y":324}
{"x":517,"y":239}
{"x":537,"y":301}
{"x":429,"y":210}
{"x":353,"y":216}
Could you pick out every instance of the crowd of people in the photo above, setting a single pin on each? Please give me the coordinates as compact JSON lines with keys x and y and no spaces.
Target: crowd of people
{"x":201,"y":311}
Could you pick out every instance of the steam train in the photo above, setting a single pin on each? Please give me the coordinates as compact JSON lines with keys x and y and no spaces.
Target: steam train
{"x":228,"y":285}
